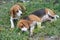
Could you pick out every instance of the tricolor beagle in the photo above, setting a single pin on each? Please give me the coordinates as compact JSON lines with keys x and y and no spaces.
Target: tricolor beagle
{"x":37,"y":17}
{"x":16,"y":12}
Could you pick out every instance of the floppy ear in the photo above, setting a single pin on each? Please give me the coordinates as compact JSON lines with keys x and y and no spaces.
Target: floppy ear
{"x":50,"y":12}
{"x":19,"y":24}
{"x":26,"y":24}
{"x":12,"y":13}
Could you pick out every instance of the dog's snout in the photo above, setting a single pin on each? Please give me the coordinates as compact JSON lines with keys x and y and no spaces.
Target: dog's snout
{"x":23,"y":31}
{"x":57,"y":16}
{"x":21,"y":14}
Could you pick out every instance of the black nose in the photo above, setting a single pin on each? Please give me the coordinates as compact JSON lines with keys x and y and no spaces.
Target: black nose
{"x":23,"y":31}
{"x":21,"y":14}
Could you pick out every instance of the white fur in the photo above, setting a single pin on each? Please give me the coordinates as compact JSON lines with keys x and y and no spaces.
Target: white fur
{"x":32,"y":26}
{"x":50,"y":18}
{"x":31,"y":30}
{"x":25,"y":0}
{"x":24,"y":29}
{"x":49,"y":13}
{"x":19,"y":13}
{"x":11,"y":20}
{"x":53,"y":16}
{"x":39,"y":24}
{"x":45,"y":18}
{"x":33,"y":23}
{"x":12,"y":23}
{"x":56,"y":16}
{"x":17,"y":17}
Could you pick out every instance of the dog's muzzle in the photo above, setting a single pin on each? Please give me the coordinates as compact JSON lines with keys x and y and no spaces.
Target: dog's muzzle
{"x":56,"y":16}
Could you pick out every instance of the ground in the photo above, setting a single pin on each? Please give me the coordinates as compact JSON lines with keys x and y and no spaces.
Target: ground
{"x":51,"y":29}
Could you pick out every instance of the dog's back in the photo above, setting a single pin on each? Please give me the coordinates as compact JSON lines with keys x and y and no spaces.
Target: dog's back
{"x":39,"y":13}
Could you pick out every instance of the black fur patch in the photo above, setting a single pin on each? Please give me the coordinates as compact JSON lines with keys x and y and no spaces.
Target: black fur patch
{"x":39,"y":13}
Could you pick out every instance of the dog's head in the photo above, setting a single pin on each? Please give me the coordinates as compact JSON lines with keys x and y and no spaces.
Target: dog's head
{"x":50,"y":15}
{"x":16,"y":10}
{"x":23,"y":25}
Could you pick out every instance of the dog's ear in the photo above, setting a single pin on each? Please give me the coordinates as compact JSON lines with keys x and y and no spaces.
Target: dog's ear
{"x":19,"y":24}
{"x":12,"y":13}
{"x":49,"y":12}
{"x":26,"y":24}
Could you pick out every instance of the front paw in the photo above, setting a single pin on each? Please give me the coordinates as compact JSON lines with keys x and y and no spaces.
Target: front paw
{"x":41,"y":27}
{"x":12,"y":27}
{"x":31,"y":35}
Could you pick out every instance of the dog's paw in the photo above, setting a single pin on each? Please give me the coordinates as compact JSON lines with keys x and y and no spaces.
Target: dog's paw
{"x":30,"y":35}
{"x":42,"y":27}
{"x":11,"y":29}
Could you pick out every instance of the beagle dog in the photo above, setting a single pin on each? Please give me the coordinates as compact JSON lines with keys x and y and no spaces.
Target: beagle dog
{"x":16,"y":12}
{"x":36,"y":17}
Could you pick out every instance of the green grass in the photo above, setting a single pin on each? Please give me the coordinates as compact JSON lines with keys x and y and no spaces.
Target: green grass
{"x":50,"y":28}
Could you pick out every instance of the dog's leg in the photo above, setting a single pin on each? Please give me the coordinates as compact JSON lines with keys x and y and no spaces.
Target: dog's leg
{"x":12,"y":23}
{"x":39,"y":25}
{"x":31,"y":30}
{"x":32,"y":26}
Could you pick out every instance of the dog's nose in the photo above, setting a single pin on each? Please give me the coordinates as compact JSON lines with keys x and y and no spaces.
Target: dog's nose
{"x":23,"y":31}
{"x":21,"y":14}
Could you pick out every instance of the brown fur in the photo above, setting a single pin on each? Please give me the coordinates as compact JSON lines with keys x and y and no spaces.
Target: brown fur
{"x":27,"y":23}
{"x":15,"y":8}
{"x":34,"y":18}
{"x":51,"y":12}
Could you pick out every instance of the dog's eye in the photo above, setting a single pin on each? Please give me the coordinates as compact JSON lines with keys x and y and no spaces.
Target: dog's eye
{"x":17,"y":11}
{"x":52,"y":17}
{"x":21,"y":26}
